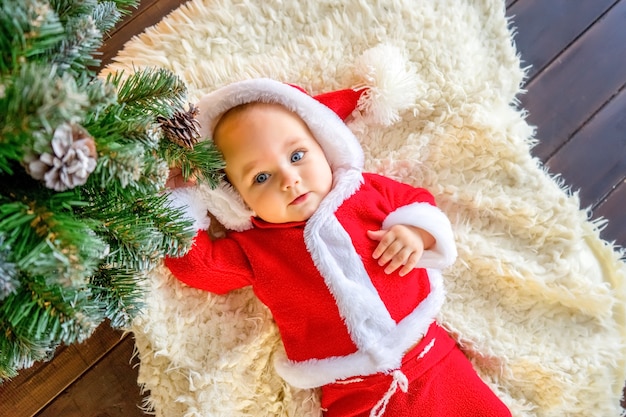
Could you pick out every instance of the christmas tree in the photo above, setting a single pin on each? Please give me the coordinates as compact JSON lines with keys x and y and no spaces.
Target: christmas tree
{"x":83,"y":164}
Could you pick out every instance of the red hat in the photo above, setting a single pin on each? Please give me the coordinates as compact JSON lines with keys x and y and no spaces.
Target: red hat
{"x":342,"y":102}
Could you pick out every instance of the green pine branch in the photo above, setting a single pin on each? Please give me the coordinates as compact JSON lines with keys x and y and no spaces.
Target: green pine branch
{"x":204,"y":161}
{"x":35,"y":101}
{"x":9,"y":282}
{"x":120,"y":292}
{"x":48,"y":240}
{"x":28,"y":29}
{"x":73,"y":258}
{"x":39,"y":317}
{"x":155,"y":91}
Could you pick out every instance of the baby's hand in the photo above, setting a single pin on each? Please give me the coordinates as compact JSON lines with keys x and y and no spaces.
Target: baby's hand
{"x":175,"y":179}
{"x":401,"y":245}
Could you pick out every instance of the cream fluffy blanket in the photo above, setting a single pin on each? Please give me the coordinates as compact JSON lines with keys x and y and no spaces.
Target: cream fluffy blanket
{"x":536,"y":299}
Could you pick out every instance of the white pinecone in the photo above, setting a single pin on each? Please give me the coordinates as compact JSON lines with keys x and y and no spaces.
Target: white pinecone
{"x":71,"y":160}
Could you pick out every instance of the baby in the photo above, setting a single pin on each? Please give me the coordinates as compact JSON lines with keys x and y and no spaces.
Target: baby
{"x":349,"y":263}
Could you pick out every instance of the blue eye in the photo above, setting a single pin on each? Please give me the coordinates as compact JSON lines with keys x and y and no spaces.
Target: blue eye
{"x":261,"y":178}
{"x":296,"y":156}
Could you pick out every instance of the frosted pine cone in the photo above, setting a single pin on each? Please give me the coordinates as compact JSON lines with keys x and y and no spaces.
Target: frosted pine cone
{"x":72,"y":160}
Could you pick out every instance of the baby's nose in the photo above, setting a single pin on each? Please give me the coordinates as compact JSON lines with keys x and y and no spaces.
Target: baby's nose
{"x":290,"y":177}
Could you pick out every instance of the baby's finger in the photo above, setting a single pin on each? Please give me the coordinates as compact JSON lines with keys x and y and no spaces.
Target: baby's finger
{"x":390,"y":252}
{"x":393,"y":265}
{"x":384,"y":238}
{"x":398,"y":260}
{"x":410,"y":264}
{"x":378,"y":236}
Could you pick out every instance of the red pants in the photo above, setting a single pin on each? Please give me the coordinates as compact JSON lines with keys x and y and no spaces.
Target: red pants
{"x":442,"y":383}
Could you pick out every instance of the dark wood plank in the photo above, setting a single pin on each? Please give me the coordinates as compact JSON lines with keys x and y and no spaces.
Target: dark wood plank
{"x":613,"y":209}
{"x":109,"y":389}
{"x":548,"y":27}
{"x":571,"y":89}
{"x":594,"y":160}
{"x":33,"y":389}
{"x":147,"y":14}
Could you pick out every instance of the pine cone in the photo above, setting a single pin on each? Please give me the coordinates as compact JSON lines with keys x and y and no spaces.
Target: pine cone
{"x":182,"y":127}
{"x":72,"y":160}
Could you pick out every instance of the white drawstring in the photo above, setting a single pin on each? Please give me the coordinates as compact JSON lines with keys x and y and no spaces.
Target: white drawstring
{"x":399,"y":380}
{"x":349,"y":381}
{"x":427,"y":349}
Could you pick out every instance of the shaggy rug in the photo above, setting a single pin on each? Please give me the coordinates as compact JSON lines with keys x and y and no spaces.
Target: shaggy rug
{"x":536,"y":299}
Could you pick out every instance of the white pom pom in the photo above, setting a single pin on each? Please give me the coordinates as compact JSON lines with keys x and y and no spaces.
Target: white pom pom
{"x":391,"y":82}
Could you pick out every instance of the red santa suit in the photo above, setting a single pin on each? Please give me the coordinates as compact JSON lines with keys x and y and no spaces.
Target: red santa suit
{"x":369,"y":339}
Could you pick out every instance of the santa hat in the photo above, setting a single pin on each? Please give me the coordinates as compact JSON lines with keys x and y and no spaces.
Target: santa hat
{"x":386,"y":86}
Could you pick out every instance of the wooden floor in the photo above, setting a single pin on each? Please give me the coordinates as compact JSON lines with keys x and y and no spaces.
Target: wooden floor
{"x":575,"y":96}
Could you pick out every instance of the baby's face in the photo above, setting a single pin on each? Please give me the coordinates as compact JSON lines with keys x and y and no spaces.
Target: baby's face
{"x":274,"y":162}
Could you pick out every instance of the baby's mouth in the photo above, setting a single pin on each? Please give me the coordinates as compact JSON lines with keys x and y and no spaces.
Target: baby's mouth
{"x":300,"y":199}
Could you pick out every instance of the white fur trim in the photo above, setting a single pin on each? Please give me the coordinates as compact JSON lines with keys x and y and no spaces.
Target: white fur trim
{"x":197,"y":200}
{"x":384,"y":355}
{"x":331,"y":249}
{"x":193,"y":203}
{"x":434,"y":221}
